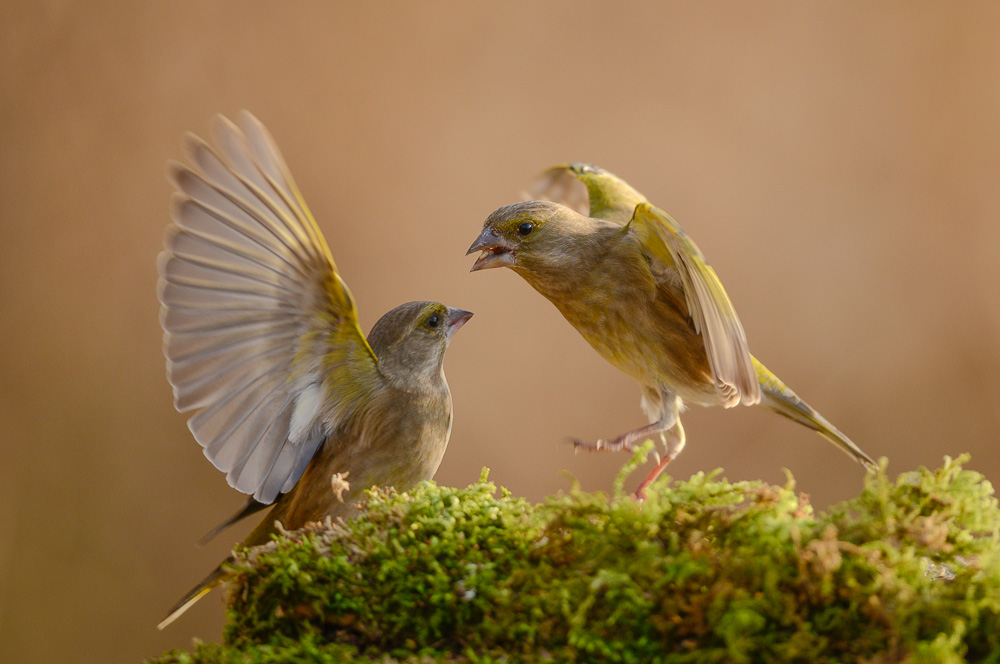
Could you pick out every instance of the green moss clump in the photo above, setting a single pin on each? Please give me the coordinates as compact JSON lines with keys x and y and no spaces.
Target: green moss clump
{"x":703,"y":571}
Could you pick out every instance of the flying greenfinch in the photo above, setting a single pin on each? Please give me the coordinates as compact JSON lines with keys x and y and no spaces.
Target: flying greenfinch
{"x":262,"y":340}
{"x":625,"y":275}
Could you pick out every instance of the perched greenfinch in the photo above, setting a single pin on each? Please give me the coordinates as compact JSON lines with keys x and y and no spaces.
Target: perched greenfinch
{"x":625,"y":275}
{"x":262,"y":339}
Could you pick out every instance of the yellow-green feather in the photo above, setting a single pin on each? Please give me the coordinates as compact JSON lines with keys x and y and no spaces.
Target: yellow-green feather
{"x":611,"y":198}
{"x":780,"y":399}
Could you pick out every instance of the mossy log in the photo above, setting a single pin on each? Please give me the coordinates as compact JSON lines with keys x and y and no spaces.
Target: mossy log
{"x":703,"y":571}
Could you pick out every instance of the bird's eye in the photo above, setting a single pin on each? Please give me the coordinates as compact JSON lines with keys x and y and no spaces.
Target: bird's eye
{"x":434,"y":321}
{"x":525,"y":228}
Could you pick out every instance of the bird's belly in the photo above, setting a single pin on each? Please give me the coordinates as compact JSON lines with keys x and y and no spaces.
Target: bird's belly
{"x":658,"y":356}
{"x":400,"y":457}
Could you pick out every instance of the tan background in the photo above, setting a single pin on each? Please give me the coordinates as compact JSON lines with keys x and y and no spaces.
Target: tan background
{"x":839,"y":164}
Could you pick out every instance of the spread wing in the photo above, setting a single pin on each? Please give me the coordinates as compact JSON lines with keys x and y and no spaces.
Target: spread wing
{"x":261,"y":334}
{"x":665,"y":243}
{"x":590,"y":190}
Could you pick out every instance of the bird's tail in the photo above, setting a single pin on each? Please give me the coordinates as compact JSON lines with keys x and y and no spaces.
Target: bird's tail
{"x":196,"y":593}
{"x":779,"y":398}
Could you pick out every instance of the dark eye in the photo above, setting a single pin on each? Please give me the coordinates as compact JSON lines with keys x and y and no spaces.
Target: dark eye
{"x":434,"y":321}
{"x":525,"y":228}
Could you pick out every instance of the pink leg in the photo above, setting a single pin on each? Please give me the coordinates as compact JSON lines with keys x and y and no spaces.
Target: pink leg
{"x":640,"y":492}
{"x":673,"y":447}
{"x":625,"y":442}
{"x":671,"y":436}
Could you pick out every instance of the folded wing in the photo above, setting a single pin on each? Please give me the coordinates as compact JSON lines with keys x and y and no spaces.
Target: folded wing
{"x":666,"y":244}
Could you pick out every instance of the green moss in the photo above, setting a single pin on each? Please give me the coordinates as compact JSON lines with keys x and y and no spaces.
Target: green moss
{"x":703,"y":571}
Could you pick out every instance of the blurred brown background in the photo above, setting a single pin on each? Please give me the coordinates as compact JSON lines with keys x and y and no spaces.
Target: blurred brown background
{"x":838,"y":163}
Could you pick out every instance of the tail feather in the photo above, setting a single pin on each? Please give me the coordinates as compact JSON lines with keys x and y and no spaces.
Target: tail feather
{"x":195,"y":594}
{"x":780,"y":399}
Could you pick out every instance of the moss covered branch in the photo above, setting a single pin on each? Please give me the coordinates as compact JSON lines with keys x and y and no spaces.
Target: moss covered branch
{"x":704,"y":571}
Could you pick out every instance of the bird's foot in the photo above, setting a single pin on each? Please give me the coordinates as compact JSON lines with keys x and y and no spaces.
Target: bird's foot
{"x":624,"y":443}
{"x":616,"y":445}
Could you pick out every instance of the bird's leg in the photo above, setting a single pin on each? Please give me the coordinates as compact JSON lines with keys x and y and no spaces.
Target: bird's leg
{"x":673,"y":441}
{"x":662,"y":406}
{"x":665,"y":406}
{"x":625,"y":442}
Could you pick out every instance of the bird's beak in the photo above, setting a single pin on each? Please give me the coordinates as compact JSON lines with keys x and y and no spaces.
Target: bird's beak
{"x":497,"y":251}
{"x":456,"y":319}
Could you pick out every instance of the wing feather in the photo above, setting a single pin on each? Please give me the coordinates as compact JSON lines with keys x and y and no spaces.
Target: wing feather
{"x":269,"y":438}
{"x":710,"y":308}
{"x":254,"y":313}
{"x":590,"y":190}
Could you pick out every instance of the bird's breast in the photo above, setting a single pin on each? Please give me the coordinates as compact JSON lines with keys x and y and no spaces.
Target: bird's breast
{"x":641,"y":332}
{"x":397,"y":441}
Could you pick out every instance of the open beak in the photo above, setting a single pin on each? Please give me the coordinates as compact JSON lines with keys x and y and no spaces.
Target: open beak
{"x":497,"y":251}
{"x":456,"y":319}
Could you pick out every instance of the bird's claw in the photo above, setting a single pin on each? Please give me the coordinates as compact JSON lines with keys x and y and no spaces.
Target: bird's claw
{"x":579,"y":444}
{"x":602,"y":445}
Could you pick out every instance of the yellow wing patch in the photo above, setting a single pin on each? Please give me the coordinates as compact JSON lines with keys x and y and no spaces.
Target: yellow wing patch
{"x":590,"y":190}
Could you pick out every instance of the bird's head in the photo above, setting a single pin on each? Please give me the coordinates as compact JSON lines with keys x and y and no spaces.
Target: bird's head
{"x":410,"y":340}
{"x":531,"y":237}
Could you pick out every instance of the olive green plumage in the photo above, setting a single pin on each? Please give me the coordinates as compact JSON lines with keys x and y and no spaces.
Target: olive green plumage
{"x":635,"y":286}
{"x":262,"y":340}
{"x":395,"y":437}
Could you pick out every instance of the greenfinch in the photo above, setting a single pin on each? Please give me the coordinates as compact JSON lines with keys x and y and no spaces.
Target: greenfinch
{"x":638,"y":289}
{"x":262,"y":340}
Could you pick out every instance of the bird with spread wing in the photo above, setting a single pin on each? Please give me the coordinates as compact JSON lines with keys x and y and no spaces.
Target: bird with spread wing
{"x":639,"y":290}
{"x":263,"y":344}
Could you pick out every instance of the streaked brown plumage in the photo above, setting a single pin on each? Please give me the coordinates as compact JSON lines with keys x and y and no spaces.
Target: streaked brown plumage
{"x":262,"y":339}
{"x":641,"y":293}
